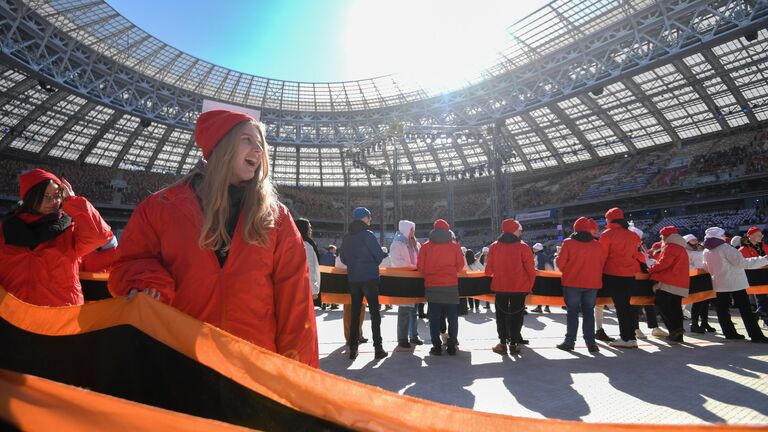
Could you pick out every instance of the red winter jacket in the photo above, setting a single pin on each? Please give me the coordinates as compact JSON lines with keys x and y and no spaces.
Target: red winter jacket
{"x":510,"y":264}
{"x":440,"y":261}
{"x":620,"y":246}
{"x":749,"y":252}
{"x":49,"y":274}
{"x":581,"y":263}
{"x":99,"y":261}
{"x":261,"y":294}
{"x":672,"y":266}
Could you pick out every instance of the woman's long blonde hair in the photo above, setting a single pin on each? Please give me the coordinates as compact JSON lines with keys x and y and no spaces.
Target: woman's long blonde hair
{"x":260,"y":202}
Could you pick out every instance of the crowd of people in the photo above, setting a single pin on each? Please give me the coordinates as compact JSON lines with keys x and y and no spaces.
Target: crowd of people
{"x":230,"y":202}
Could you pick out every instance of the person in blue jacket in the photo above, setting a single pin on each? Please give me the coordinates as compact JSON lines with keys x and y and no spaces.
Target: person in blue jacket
{"x":362,"y":254}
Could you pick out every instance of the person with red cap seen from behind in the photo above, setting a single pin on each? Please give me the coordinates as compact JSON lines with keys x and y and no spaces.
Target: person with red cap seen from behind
{"x":510,"y":265}
{"x":752,"y":248}
{"x":672,"y":279}
{"x":219,"y":246}
{"x":43,"y":241}
{"x":621,"y":265}
{"x":581,"y":260}
{"x":440,"y":260}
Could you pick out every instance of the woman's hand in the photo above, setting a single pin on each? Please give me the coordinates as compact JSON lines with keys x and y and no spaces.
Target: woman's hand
{"x":66,"y":189}
{"x":155,"y":294}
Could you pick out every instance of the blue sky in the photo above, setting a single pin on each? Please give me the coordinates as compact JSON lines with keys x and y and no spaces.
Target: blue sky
{"x":335,"y":40}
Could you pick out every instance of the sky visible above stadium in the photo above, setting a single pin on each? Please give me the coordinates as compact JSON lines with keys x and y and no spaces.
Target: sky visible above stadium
{"x":434,"y":43}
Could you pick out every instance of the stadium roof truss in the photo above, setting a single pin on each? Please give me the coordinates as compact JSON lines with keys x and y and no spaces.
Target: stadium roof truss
{"x":580,"y":80}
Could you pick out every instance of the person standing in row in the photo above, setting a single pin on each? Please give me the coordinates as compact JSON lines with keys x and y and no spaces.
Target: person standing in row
{"x":219,"y":246}
{"x":362,"y":254}
{"x":43,"y":241}
{"x":510,"y":265}
{"x":753,"y":247}
{"x":581,"y":260}
{"x":305,"y":229}
{"x":621,"y":265}
{"x":404,"y":253}
{"x":439,"y":261}
{"x":726,"y":265}
{"x":672,"y":281}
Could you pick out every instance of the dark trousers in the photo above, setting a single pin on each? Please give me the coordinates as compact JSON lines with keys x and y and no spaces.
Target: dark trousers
{"x":700,"y":313}
{"x":671,"y":309}
{"x":741,"y":300}
{"x":650,"y":315}
{"x":369,"y":290}
{"x":436,"y":312}
{"x":619,"y":287}
{"x":509,"y":316}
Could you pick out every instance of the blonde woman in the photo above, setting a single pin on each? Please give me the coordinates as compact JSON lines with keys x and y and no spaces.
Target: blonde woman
{"x":219,"y":246}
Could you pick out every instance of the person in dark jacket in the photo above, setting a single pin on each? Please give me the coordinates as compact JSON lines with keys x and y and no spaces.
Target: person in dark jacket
{"x":621,"y":265}
{"x":440,"y":260}
{"x":581,"y":260}
{"x":362,"y":254}
{"x":510,"y":265}
{"x":329,"y":257}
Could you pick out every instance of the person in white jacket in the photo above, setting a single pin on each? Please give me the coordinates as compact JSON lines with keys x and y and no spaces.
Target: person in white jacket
{"x":726,"y":265}
{"x":404,"y":252}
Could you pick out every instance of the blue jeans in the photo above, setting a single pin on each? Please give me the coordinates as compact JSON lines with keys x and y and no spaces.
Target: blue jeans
{"x":407,"y":327}
{"x":580,"y":300}
{"x":452,"y":312}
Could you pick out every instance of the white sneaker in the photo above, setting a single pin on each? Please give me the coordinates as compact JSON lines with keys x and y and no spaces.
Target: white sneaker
{"x":658,"y":332}
{"x":620,"y":343}
{"x":640,"y":335}
{"x":444,"y":338}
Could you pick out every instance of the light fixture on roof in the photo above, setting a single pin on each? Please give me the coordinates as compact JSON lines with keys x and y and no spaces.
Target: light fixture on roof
{"x":750,"y":36}
{"x":46,"y":87}
{"x":597,"y":92}
{"x":145,"y":123}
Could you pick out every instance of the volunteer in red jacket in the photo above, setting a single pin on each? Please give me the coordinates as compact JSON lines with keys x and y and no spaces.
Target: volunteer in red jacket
{"x":581,"y":261}
{"x":440,"y":260}
{"x":620,"y":246}
{"x":510,"y":264}
{"x":672,"y":281}
{"x":219,"y":246}
{"x":753,"y":248}
{"x":43,"y":241}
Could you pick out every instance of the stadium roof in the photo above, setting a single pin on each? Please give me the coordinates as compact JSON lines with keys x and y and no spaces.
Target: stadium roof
{"x":579,"y":81}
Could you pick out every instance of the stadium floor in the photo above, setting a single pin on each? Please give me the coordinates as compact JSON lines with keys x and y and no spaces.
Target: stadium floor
{"x":705,"y":380}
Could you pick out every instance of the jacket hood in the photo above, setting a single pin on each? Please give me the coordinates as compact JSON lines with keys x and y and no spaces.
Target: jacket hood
{"x":404,"y":227}
{"x":440,"y":236}
{"x":357,"y":226}
{"x":713,"y":242}
{"x":508,"y":237}
{"x":676,"y":239}
{"x":582,"y":236}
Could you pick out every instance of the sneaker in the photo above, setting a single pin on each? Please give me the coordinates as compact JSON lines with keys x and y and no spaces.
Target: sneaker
{"x":697,"y":329}
{"x":640,"y":335}
{"x":451,"y":350}
{"x":537,"y":309}
{"x":500,"y":349}
{"x":334,"y":306}
{"x":417,"y":341}
{"x":602,"y":336}
{"x":403,"y":344}
{"x":436,"y":350}
{"x":593,"y":348}
{"x":352,"y":353}
{"x":675,"y":337}
{"x":514,"y":349}
{"x":658,"y":332}
{"x":621,"y":343}
{"x":565,"y":346}
{"x":444,"y":338}
{"x":708,"y":328}
{"x":546,"y":309}
{"x":380,"y":353}
{"x":735,"y":336}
